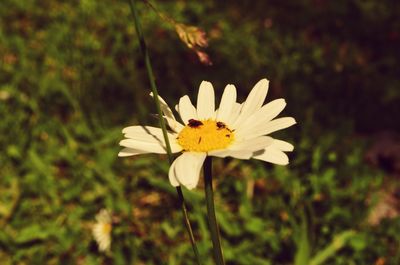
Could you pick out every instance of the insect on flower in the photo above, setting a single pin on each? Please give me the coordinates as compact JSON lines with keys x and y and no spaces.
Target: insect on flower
{"x":221,"y":125}
{"x":194,"y":123}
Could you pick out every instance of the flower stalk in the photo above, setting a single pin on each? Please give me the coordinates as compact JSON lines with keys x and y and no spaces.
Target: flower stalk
{"x":212,"y":220}
{"x":150,"y":74}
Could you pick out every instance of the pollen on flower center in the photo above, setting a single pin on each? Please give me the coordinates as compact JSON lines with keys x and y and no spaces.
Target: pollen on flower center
{"x":205,"y":135}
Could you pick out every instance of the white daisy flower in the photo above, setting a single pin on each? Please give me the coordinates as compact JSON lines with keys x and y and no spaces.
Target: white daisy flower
{"x":102,"y":230}
{"x":234,"y":129}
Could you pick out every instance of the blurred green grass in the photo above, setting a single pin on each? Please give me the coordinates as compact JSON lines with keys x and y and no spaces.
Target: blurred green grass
{"x":71,"y":77}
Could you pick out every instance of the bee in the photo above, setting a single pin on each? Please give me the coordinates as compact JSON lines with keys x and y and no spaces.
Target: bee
{"x":221,"y":125}
{"x":194,"y":123}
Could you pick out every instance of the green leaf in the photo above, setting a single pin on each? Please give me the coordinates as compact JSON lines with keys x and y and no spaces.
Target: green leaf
{"x":31,"y":233}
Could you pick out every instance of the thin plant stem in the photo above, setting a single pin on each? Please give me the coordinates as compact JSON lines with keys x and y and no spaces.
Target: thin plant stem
{"x":150,"y":74}
{"x":212,"y":220}
{"x":161,"y":15}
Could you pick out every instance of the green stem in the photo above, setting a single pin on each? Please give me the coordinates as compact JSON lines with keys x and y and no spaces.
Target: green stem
{"x":212,"y":220}
{"x":150,"y":74}
{"x":163,"y":126}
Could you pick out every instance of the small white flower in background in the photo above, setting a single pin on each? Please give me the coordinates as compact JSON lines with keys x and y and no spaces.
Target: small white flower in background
{"x":102,"y":230}
{"x":234,"y":129}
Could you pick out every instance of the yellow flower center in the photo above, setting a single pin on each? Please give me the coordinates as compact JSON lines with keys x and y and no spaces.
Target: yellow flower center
{"x":205,"y":135}
{"x":107,"y":228}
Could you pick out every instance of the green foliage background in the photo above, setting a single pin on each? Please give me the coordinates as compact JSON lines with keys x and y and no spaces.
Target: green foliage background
{"x":71,"y":77}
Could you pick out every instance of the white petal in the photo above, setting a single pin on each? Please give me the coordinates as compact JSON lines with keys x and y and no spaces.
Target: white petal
{"x":130,"y":152}
{"x":185,"y":170}
{"x":103,"y":216}
{"x":186,"y":109}
{"x":147,"y":139}
{"x":148,"y":134}
{"x":262,"y":116}
{"x":228,"y":101}
{"x":252,"y":145}
{"x":282,"y":145}
{"x":273,"y":155}
{"x":149,"y":147}
{"x":253,"y":102}
{"x":171,"y":174}
{"x":269,"y":127}
{"x":168,"y":115}
{"x":240,"y":154}
{"x":234,"y":114}
{"x":174,"y":124}
{"x":205,"y":101}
